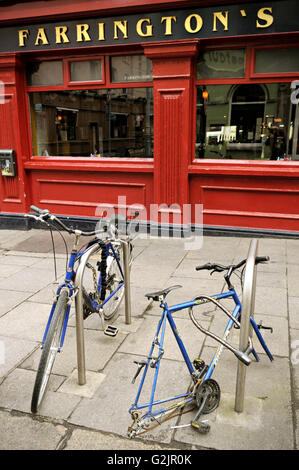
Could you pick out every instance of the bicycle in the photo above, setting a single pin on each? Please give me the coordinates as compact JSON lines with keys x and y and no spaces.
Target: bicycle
{"x":204,"y":392}
{"x":103,"y":295}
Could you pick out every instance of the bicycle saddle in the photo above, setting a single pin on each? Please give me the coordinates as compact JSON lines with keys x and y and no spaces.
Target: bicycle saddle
{"x":161,"y":293}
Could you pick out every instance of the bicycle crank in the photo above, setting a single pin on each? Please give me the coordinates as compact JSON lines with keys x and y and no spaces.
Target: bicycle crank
{"x":207,"y":399}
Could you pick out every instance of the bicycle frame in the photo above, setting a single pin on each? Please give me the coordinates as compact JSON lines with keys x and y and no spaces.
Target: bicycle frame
{"x":167,"y":316}
{"x":68,"y":283}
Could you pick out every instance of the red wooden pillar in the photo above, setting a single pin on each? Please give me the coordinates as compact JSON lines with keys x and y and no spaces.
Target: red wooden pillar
{"x":174,"y":118}
{"x":13,"y":131}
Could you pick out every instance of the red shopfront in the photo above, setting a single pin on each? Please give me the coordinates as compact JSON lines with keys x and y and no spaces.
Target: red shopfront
{"x":167,"y":104}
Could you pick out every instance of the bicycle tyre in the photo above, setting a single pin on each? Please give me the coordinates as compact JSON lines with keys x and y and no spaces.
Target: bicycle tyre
{"x":49,"y":351}
{"x":114,"y":279}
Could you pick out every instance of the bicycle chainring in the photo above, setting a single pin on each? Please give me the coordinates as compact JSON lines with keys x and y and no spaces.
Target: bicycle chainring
{"x":211,"y":389}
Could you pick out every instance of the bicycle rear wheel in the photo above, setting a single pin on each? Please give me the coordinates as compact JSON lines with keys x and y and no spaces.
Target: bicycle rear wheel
{"x":115,"y":285}
{"x":49,"y":351}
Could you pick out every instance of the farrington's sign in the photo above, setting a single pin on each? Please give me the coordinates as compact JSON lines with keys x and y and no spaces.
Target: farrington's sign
{"x":196,"y":22}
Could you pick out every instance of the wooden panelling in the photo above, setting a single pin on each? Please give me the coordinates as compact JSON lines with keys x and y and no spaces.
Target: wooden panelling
{"x":247,"y":202}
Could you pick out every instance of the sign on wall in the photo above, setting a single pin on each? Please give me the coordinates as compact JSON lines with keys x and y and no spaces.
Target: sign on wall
{"x":195,"y":22}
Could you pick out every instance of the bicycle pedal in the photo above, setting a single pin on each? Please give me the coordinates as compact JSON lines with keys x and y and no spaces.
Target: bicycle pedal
{"x":201,"y":427}
{"x":111,"y":330}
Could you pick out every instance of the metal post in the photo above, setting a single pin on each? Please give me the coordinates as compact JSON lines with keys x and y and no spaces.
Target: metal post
{"x":79,"y":315}
{"x":248,"y":301}
{"x":126,"y":261}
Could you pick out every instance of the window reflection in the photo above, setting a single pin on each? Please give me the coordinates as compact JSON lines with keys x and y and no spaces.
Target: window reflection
{"x":96,"y":123}
{"x":245,"y":122}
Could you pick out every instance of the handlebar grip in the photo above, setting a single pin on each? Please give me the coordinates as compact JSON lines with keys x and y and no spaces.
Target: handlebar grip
{"x":205,"y":266}
{"x":37,"y":209}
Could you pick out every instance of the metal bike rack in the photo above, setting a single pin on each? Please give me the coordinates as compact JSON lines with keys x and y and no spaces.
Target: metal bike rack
{"x":248,"y":303}
{"x":79,"y":315}
{"x":126,"y":260}
{"x":79,"y":303}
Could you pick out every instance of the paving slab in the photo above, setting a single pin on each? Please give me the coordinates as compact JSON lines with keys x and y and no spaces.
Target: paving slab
{"x":26,"y":321}
{"x":10,"y":299}
{"x":82,"y":439}
{"x":27,"y":280}
{"x":71,"y":385}
{"x":24,"y":433}
{"x":259,"y":428}
{"x":293,"y":312}
{"x":14,"y":351}
{"x":99,"y":349}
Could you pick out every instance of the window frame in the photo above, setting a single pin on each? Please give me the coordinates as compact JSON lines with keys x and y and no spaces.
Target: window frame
{"x":277,"y":75}
{"x":250,"y":77}
{"x":105,"y":83}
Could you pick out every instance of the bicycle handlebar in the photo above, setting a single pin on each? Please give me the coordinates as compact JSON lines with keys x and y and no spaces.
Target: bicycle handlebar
{"x":44,"y":215}
{"x":220,"y":268}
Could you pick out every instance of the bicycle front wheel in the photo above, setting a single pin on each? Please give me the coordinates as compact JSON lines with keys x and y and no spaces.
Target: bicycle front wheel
{"x":50,"y":349}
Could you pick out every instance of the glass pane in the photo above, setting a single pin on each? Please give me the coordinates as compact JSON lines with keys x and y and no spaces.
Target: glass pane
{"x":86,"y":70}
{"x":131,"y":68}
{"x":93,"y":123}
{"x":45,"y":73}
{"x":221,"y":64}
{"x":277,"y":61}
{"x":244,"y":122}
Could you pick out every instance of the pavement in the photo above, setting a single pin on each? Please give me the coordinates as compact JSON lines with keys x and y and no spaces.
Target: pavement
{"x":95,"y":416}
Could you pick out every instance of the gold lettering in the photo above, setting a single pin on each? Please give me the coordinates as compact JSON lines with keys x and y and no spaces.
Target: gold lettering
{"x":122,"y":26}
{"x":82,"y":34}
{"x":41,"y":36}
{"x":268,"y":18}
{"x":198,"y":23}
{"x":148,"y":27}
{"x":168,"y":24}
{"x":101,"y":31}
{"x":23,"y":34}
{"x":61,"y":34}
{"x":223,"y":18}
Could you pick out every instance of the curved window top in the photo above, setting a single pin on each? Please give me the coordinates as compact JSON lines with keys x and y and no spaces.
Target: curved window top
{"x":248,"y":94}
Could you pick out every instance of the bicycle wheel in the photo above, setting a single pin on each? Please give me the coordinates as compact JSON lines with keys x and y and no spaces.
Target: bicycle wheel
{"x":49,"y":351}
{"x":115,"y":285}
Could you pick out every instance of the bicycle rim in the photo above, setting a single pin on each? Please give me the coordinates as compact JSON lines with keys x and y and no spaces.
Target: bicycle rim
{"x":49,"y":351}
{"x":114,"y":281}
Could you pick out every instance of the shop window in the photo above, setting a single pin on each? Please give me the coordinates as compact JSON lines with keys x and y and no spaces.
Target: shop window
{"x":221,"y":64}
{"x":96,"y":123}
{"x":86,"y":71}
{"x":45,"y":73}
{"x":134,"y":68}
{"x":252,"y":121}
{"x":276,"y":61}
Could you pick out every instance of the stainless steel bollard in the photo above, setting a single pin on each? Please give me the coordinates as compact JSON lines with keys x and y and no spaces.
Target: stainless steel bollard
{"x":248,"y":303}
{"x":126,"y":262}
{"x":79,"y":315}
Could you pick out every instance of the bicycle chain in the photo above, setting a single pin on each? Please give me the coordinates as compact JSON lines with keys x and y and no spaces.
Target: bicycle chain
{"x":95,"y":283}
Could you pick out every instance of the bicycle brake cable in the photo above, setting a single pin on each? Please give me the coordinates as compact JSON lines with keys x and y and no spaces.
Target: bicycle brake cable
{"x":54,"y":254}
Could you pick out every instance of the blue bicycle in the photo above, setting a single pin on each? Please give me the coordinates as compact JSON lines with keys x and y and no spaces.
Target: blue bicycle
{"x":204,"y":391}
{"x":102,"y":295}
